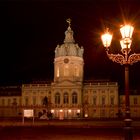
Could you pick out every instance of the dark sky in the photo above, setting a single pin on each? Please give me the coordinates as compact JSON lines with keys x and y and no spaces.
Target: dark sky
{"x":30,"y":31}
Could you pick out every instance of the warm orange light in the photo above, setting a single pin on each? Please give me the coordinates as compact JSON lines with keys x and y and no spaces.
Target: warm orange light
{"x":61,"y":110}
{"x":78,"y":111}
{"x":126,"y":31}
{"x":86,"y":115}
{"x":52,"y":110}
{"x":106,"y":39}
{"x":125,"y":45}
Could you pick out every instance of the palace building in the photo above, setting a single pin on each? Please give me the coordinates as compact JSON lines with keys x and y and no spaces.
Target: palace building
{"x":68,"y":96}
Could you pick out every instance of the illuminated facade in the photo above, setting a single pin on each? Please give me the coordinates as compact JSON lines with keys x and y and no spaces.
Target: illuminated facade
{"x":67,"y":97}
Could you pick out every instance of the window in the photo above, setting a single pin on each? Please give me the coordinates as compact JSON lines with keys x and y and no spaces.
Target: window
{"x":3,"y":102}
{"x":45,"y":101}
{"x":26,"y":101}
{"x":94,"y":91}
{"x":66,"y":70}
{"x":112,"y":100}
{"x":102,"y":113}
{"x":94,"y":100}
{"x":111,"y":91}
{"x":57,"y":98}
{"x":57,"y":72}
{"x":74,"y":98}
{"x":135,"y":101}
{"x":103,"y":100}
{"x":66,"y":100}
{"x":20,"y":101}
{"x":14,"y":101}
{"x":103,"y":91}
{"x":34,"y":100}
{"x":41,"y":100}
{"x":9,"y":102}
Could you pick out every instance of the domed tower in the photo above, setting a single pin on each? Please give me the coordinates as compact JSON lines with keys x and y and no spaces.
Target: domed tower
{"x":68,"y":61}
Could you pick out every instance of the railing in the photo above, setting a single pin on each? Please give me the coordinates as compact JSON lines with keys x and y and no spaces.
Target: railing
{"x":101,"y":83}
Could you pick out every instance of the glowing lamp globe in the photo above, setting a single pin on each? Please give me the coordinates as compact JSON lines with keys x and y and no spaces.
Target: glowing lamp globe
{"x":106,"y":39}
{"x":127,"y":31}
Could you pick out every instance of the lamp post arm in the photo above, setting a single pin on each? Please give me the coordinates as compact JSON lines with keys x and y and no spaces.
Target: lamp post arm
{"x":133,"y":58}
{"x":118,"y":58}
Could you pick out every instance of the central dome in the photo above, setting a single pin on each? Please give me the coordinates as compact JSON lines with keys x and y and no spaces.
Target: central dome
{"x":69,"y":48}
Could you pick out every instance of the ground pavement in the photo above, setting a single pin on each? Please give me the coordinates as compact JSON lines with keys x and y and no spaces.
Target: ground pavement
{"x":15,"y":129}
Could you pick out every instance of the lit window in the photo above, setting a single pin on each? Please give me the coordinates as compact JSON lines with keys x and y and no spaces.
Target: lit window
{"x":57,"y":72}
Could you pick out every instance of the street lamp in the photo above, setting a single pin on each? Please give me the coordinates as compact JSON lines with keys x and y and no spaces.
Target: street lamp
{"x":126,"y":59}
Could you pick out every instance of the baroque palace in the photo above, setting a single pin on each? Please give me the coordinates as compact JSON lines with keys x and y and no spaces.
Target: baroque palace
{"x":67,"y":97}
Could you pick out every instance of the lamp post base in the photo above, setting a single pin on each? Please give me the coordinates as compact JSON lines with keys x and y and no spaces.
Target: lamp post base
{"x":128,"y":130}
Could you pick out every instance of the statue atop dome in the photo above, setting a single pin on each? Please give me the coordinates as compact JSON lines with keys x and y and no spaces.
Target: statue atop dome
{"x":69,"y":21}
{"x":69,"y":33}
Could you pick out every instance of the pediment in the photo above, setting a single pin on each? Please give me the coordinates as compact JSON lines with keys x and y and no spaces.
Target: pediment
{"x":67,"y":83}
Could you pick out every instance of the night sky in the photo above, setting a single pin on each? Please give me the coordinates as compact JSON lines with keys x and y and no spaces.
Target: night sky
{"x":30,"y":31}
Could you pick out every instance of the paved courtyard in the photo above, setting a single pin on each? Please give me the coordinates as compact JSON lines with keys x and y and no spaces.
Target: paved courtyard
{"x":64,"y":130}
{"x":53,"y":133}
{"x":62,"y":133}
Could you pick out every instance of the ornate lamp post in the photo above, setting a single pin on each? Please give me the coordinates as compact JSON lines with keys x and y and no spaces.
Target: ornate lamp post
{"x":126,"y":59}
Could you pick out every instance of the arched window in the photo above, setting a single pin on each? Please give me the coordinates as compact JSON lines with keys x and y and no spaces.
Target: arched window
{"x":57,"y":98}
{"x":66,"y":99}
{"x":74,"y":98}
{"x":66,"y":70}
